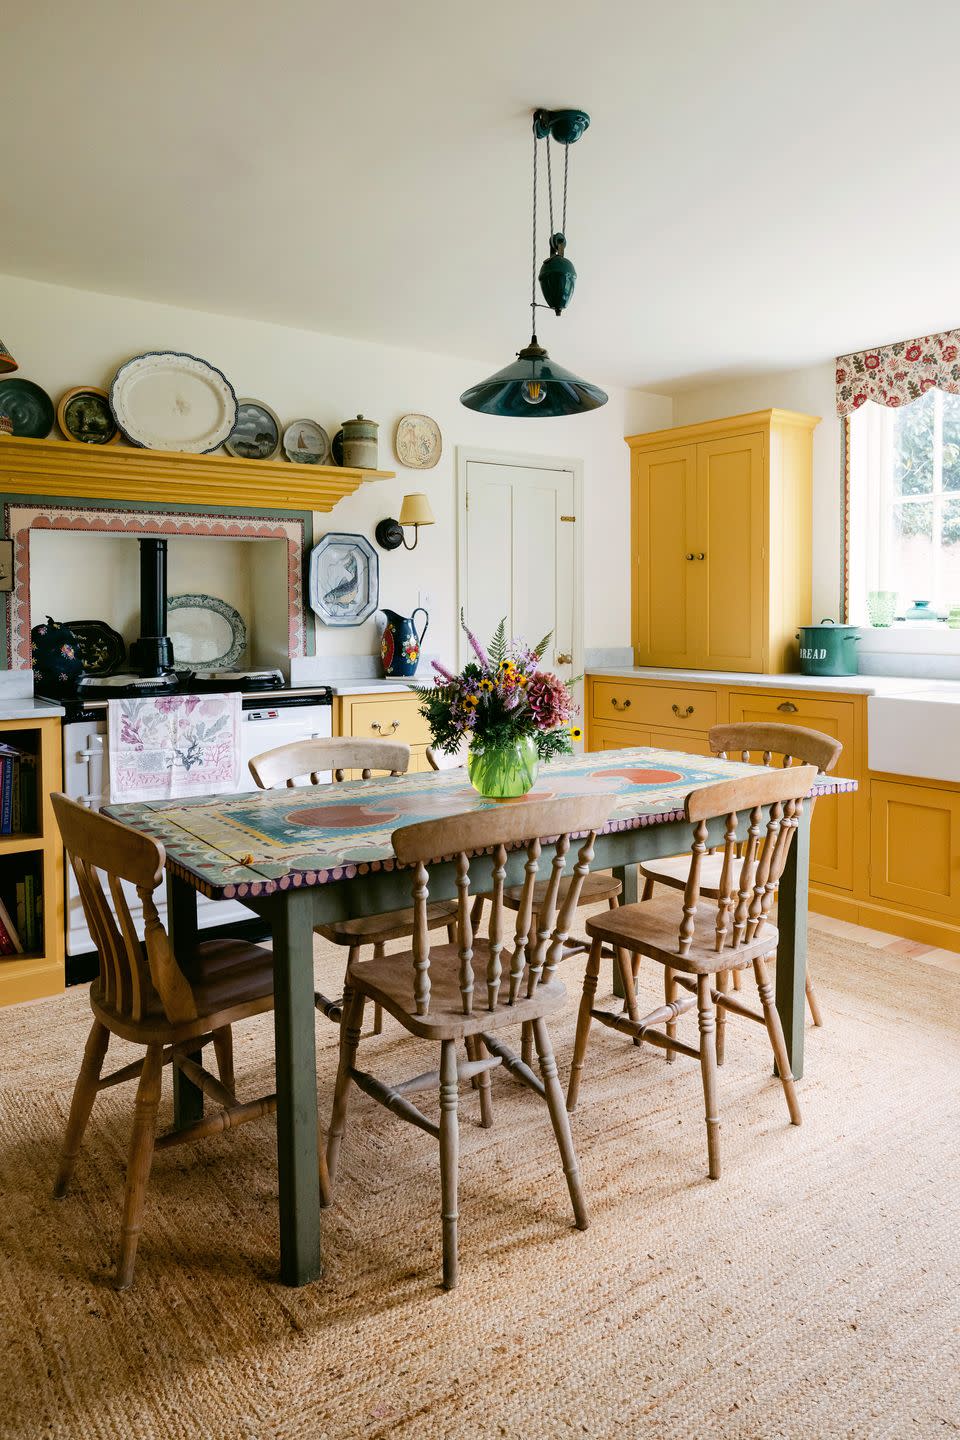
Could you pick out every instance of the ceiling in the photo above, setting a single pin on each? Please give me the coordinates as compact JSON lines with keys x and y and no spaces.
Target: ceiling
{"x":762,"y":186}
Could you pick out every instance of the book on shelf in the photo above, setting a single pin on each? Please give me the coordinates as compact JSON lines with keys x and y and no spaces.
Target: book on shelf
{"x":29,"y":912}
{"x":10,"y":943}
{"x":18,"y":791}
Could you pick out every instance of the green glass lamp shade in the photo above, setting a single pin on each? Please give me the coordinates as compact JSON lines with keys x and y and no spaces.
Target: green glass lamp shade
{"x":533,"y":385}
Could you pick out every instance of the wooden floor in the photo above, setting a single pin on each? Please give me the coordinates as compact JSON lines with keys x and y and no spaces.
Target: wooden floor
{"x":893,"y":944}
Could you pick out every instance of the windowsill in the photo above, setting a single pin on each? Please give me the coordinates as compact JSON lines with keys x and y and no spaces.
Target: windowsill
{"x":924,"y":637}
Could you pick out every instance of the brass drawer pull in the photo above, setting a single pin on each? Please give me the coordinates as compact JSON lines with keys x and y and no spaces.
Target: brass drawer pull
{"x":682,"y":714}
{"x":394,"y":726}
{"x":619,"y":704}
{"x":788,"y":707}
{"x":701,"y":556}
{"x":690,"y":555}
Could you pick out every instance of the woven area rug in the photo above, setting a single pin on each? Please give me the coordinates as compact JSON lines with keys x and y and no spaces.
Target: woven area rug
{"x":813,"y":1291}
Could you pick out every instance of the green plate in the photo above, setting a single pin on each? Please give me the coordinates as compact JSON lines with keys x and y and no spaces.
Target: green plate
{"x":29,"y":407}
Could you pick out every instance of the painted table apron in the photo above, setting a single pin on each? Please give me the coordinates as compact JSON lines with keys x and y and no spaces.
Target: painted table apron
{"x":304,"y":857}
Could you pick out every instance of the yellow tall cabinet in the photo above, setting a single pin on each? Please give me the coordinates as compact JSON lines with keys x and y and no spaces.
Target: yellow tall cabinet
{"x":721,"y":543}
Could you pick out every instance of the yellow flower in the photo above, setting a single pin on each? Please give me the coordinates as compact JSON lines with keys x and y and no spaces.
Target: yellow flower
{"x":575,"y":732}
{"x":486,"y":684}
{"x":521,"y":680}
{"x":473,"y":699}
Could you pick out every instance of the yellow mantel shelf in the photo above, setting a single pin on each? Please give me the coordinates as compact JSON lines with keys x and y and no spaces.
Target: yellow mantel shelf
{"x":118,"y":472}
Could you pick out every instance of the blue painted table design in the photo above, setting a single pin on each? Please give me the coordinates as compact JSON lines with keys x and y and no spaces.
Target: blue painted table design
{"x":308,"y":855}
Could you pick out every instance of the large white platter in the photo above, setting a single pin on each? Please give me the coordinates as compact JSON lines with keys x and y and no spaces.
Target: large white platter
{"x":168,"y":401}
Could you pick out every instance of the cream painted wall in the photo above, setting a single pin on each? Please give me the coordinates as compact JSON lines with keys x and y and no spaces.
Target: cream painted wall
{"x":65,"y":337}
{"x":812,"y":391}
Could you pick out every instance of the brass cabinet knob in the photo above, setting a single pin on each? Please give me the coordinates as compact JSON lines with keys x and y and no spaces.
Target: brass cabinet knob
{"x":788,"y":707}
{"x":563,"y":658}
{"x":682,"y":714}
{"x":619,"y":704}
{"x":394,"y":727}
{"x":701,"y":556}
{"x":689,"y":554}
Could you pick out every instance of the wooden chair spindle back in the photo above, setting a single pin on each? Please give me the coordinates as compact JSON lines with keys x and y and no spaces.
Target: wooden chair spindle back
{"x":288,"y":764}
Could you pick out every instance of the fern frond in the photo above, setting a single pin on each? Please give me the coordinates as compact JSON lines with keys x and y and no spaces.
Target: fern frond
{"x":497,"y":649}
{"x":540,"y":649}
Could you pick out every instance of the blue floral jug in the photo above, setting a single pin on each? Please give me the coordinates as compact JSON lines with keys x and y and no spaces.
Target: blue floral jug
{"x":400,"y":643}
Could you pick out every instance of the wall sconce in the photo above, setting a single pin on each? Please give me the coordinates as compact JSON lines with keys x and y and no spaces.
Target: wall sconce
{"x":414,"y":511}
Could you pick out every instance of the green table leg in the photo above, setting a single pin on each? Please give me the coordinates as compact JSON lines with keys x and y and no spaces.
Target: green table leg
{"x":297,"y":1153}
{"x":629,"y":877}
{"x":793,"y":901}
{"x":182,"y":928}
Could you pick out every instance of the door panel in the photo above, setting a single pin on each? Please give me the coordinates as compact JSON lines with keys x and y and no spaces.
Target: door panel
{"x":664,"y":500}
{"x":729,"y":528}
{"x":833,"y":831}
{"x":915,"y":846}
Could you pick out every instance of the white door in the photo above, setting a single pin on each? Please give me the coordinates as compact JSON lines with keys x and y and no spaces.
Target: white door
{"x":519,"y":555}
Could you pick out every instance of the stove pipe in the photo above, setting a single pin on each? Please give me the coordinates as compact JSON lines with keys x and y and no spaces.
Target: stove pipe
{"x":152,"y":654}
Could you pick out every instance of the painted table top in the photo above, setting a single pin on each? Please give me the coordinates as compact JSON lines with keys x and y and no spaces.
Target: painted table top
{"x":256,"y":844}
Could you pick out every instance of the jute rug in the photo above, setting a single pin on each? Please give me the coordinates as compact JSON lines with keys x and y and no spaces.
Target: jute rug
{"x":813,"y":1291}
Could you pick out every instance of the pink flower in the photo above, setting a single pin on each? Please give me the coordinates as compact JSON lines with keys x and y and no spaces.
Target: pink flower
{"x":950,"y":352}
{"x":913,"y":352}
{"x":872,"y":362}
{"x":549,"y":700}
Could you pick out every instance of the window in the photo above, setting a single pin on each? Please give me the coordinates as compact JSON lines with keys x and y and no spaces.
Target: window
{"x":905,"y":503}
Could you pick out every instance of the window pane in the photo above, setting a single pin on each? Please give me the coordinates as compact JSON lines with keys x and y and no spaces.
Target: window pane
{"x":950,"y":553}
{"x":913,"y":447}
{"x":912,"y":550}
{"x":951,"y":442}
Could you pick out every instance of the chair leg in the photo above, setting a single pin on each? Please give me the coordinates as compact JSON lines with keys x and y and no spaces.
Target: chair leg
{"x":670,"y":988}
{"x":648,"y":885}
{"x":723,"y":985}
{"x":816,"y":1014}
{"x":138,"y":1165}
{"x":223,"y":1049}
{"x":379,"y":950}
{"x":476,"y":914}
{"x":779,"y":1046}
{"x":336,"y":1009}
{"x":737,"y":979}
{"x":560,"y":1120}
{"x":449,"y":1159}
{"x":452,"y":933}
{"x":482,"y":1082}
{"x":353,"y":1004}
{"x":583,"y":1023}
{"x":526,"y":1042}
{"x":708,"y":1070}
{"x":84,"y":1094}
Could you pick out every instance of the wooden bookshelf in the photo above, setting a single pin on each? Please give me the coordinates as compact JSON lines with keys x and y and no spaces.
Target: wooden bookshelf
{"x":40,"y":971}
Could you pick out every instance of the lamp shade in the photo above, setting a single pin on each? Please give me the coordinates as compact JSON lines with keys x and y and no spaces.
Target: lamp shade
{"x":7,"y":362}
{"x":415,"y":510}
{"x":533,"y":385}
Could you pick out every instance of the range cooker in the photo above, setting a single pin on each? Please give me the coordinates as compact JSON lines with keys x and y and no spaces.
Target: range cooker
{"x":277,"y":716}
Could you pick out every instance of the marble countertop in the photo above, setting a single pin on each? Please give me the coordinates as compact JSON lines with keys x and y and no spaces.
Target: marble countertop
{"x":354,"y":685}
{"x":26,"y":707}
{"x":843,"y":684}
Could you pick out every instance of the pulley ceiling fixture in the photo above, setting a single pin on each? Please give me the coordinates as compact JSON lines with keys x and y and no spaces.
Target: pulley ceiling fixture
{"x":534,"y":384}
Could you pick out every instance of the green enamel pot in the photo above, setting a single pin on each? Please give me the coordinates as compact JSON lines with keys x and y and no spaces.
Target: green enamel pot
{"x":828,"y":649}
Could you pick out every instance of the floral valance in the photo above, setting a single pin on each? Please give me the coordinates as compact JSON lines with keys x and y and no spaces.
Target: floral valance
{"x":897,"y":374}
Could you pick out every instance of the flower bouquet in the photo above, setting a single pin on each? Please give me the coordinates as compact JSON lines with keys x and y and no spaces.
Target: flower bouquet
{"x":512,"y":713}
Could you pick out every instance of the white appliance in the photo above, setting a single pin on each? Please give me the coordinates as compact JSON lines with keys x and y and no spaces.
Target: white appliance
{"x":269,"y":719}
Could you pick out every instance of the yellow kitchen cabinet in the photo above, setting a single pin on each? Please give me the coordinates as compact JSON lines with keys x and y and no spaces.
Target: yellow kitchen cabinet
{"x":832,"y":841}
{"x":721,"y":541}
{"x":40,"y":971}
{"x":390,"y":715}
{"x":915,"y":846}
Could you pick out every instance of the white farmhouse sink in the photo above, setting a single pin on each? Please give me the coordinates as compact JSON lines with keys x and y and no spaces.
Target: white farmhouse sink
{"x":917,"y":733}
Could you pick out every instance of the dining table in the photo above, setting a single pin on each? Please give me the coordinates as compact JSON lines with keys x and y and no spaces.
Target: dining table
{"x":309,"y":855}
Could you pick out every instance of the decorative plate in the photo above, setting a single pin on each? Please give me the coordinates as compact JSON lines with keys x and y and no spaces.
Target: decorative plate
{"x":102,"y":650}
{"x":168,"y":401}
{"x":336,"y":449}
{"x":344,"y":582}
{"x":418,"y":442}
{"x":257,"y":433}
{"x":84,"y":415}
{"x":207,"y":633}
{"x":29,"y":408}
{"x":306,"y":443}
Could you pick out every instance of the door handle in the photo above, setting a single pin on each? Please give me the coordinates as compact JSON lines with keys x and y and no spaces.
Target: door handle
{"x":788,"y":707}
{"x":563,"y":658}
{"x":619,"y":704}
{"x":394,"y":726}
{"x":682,"y":714}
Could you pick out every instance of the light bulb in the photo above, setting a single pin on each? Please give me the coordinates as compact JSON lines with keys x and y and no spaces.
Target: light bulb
{"x":533,"y":392}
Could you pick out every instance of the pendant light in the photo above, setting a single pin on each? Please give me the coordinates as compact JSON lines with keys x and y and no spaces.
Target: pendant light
{"x":534,"y":384}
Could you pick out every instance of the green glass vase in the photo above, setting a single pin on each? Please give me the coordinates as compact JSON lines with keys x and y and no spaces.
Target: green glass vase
{"x":504,"y":772}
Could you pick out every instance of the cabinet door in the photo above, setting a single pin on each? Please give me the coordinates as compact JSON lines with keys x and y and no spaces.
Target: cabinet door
{"x":832,"y":837}
{"x":664,"y":501}
{"x":915,"y":846}
{"x":727,"y":590}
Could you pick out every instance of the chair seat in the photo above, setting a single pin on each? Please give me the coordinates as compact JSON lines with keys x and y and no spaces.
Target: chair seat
{"x":231,"y":979}
{"x":651,"y":928}
{"x":389,"y":982}
{"x":596,"y":887}
{"x":674,"y":872}
{"x":395,"y":925}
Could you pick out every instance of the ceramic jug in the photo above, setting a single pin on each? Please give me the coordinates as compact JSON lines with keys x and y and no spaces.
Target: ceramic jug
{"x":400,"y":643}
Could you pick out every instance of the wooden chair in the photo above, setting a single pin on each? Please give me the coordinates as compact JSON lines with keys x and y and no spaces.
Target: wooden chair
{"x":709,"y":941}
{"x":434,"y":993}
{"x":146,"y":995}
{"x":288,"y":764}
{"x":596,"y":887}
{"x":788,"y":743}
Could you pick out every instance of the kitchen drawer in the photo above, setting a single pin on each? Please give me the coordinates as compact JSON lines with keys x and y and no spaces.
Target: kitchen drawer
{"x":687,"y":707}
{"x":627,"y":737}
{"x":834,"y":818}
{"x":386,"y":717}
{"x":915,"y":846}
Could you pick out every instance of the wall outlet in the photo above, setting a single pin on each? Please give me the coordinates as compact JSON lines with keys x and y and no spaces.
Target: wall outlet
{"x":425,"y":598}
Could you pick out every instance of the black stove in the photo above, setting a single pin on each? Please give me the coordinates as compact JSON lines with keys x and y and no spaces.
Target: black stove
{"x":255,"y":686}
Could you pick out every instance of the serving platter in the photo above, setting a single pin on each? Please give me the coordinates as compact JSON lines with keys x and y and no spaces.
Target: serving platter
{"x":206,"y":632}
{"x":344,"y":579}
{"x":166,"y":400}
{"x":102,"y":649}
{"x":29,"y":408}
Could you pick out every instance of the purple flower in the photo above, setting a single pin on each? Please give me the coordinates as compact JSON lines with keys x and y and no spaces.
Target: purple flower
{"x":443,"y":672}
{"x":475,"y":645}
